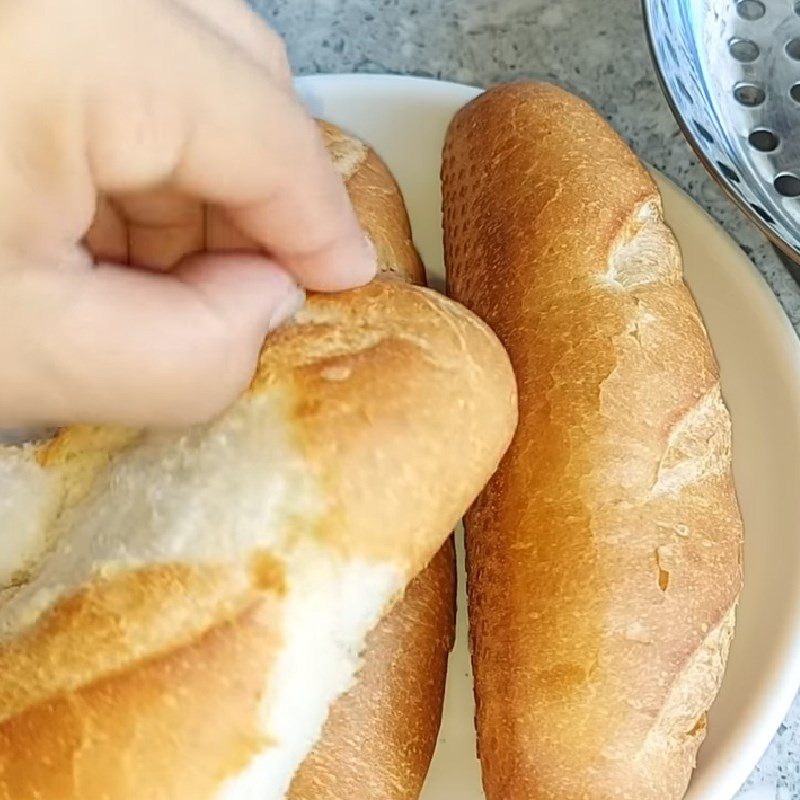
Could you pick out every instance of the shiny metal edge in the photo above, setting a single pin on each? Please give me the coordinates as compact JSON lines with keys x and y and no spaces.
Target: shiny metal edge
{"x":788,"y":254}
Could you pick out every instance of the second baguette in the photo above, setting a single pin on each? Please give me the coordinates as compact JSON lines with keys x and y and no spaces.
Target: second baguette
{"x":379,"y":737}
{"x":604,"y":557}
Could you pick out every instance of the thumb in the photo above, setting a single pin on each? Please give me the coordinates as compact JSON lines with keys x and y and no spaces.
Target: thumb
{"x":112,"y":344}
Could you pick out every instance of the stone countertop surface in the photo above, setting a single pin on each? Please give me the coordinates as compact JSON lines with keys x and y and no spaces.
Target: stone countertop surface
{"x":592,"y":47}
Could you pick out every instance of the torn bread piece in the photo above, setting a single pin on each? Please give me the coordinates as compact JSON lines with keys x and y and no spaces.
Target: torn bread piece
{"x":180,"y":608}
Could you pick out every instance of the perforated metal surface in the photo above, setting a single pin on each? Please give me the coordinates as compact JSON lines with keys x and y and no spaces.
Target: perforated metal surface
{"x":731,"y":71}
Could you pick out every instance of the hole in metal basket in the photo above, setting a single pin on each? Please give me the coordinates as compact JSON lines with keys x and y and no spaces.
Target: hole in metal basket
{"x":750,"y":9}
{"x":727,"y":172}
{"x":683,"y":90}
{"x":763,"y":140}
{"x":794,"y":93}
{"x":745,"y":50}
{"x":787,"y":185}
{"x":793,"y":48}
{"x":749,"y":94}
{"x":703,"y":132}
{"x":763,"y":214}
{"x":671,"y":50}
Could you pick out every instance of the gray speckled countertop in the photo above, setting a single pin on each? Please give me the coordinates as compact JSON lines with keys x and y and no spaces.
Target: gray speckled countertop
{"x":596,"y":48}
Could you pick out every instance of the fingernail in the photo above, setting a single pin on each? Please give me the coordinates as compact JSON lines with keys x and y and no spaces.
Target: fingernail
{"x":372,"y":255}
{"x":370,"y":247}
{"x":287,"y":308}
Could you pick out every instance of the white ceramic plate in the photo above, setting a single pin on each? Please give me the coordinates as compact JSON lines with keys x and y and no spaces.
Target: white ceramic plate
{"x":759,"y":356}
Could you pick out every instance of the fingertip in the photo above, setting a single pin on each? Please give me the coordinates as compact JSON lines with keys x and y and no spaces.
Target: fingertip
{"x":310,"y":227}
{"x":369,"y":259}
{"x":343,"y":265}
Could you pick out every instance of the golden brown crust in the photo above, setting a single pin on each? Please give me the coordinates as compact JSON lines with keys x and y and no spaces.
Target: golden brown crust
{"x":113,"y":623}
{"x":126,"y":735}
{"x":379,"y":738}
{"x":604,"y":556}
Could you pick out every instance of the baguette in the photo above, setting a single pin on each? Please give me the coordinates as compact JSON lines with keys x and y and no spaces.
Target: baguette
{"x":179,"y":609}
{"x":379,"y":737}
{"x":604,"y":557}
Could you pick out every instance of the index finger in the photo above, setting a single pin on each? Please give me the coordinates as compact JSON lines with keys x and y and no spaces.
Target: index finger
{"x":217,"y":126}
{"x":302,"y":216}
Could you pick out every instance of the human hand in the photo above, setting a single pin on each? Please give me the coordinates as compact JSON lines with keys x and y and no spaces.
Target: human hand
{"x":139,"y":139}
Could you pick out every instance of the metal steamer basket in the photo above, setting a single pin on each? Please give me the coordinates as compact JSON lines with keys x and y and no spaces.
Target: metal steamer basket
{"x":731,"y":72}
